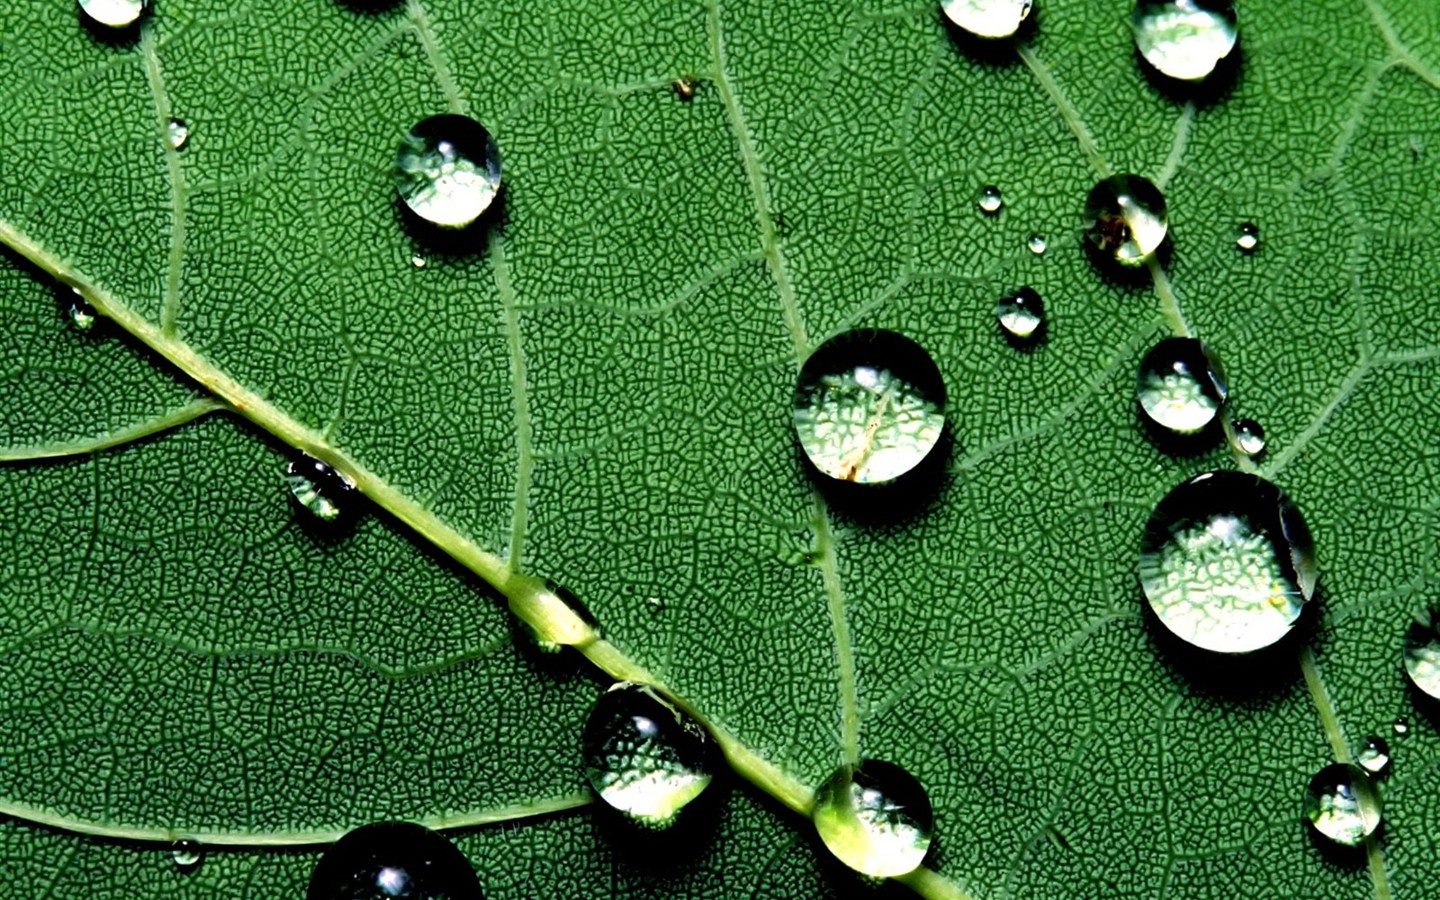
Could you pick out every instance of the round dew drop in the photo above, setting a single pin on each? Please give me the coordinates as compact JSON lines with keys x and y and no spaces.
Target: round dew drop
{"x":1374,"y":757}
{"x":321,"y":490}
{"x":187,"y":855}
{"x":1227,"y":563}
{"x":1184,"y":39}
{"x":1126,"y":219}
{"x":447,"y":170}
{"x":1021,"y":314}
{"x":1342,"y":804}
{"x":1249,"y":437}
{"x":990,"y":200}
{"x":1180,"y":386}
{"x":177,"y":133}
{"x":987,"y":18}
{"x":114,"y":13}
{"x":1422,"y":656}
{"x":875,"y":818}
{"x":645,"y":757}
{"x":1036,"y":244}
{"x":1247,"y":240}
{"x":392,"y":860}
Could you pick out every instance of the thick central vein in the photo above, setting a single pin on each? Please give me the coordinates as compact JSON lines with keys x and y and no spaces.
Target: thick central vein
{"x":179,"y":194}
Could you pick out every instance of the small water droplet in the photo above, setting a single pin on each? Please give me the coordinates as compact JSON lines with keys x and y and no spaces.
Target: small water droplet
{"x":447,"y":170}
{"x":1180,"y":385}
{"x":187,"y":855}
{"x":1227,"y":563}
{"x":390,"y":860}
{"x":177,"y":133}
{"x":1422,"y":655}
{"x":1021,"y":314}
{"x":1126,"y":219}
{"x":1184,"y":39}
{"x":587,"y":627}
{"x":869,"y":406}
{"x":1036,"y":244}
{"x":114,"y":13}
{"x":987,"y":18}
{"x":1342,"y":804}
{"x":1247,"y":239}
{"x":875,"y":818}
{"x":1401,"y":726}
{"x":81,"y":315}
{"x":317,"y":487}
{"x":645,"y":757}
{"x":1374,"y":757}
{"x":1249,"y":437}
{"x":417,"y":261}
{"x":684,"y":88}
{"x":990,"y":201}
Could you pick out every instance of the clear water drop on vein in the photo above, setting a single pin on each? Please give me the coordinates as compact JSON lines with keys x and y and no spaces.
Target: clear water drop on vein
{"x":876,"y":818}
{"x":1342,"y":804}
{"x":1185,"y":39}
{"x":320,"y":489}
{"x":187,"y":855}
{"x":447,"y":170}
{"x":988,"y":18}
{"x":1181,"y":386}
{"x":1021,"y":314}
{"x":1126,"y":219}
{"x":117,"y":14}
{"x":177,"y":133}
{"x":80,"y":314}
{"x":391,"y":861}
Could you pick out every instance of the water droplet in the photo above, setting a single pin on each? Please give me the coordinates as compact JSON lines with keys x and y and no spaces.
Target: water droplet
{"x":643,"y":756}
{"x":81,"y":315}
{"x":1374,"y":757}
{"x":1036,"y":244}
{"x":1126,"y":219}
{"x":876,"y":818}
{"x":447,"y":170}
{"x":587,"y":627}
{"x":1249,"y":437}
{"x":417,"y":261}
{"x":1422,"y":655}
{"x":987,"y":18}
{"x":869,"y":406}
{"x":1180,"y":385}
{"x":1342,"y":804}
{"x":1227,"y":562}
{"x":187,"y":855}
{"x":684,"y":88}
{"x":1402,"y":725}
{"x":319,"y":488}
{"x":114,"y":13}
{"x":1247,"y":239}
{"x":177,"y":133}
{"x":990,"y":200}
{"x":1021,"y":314}
{"x":1184,"y":39}
{"x":390,"y":860}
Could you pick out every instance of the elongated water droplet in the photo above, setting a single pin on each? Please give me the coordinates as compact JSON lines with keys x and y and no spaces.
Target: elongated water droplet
{"x":324,"y":492}
{"x":114,"y":13}
{"x":392,"y":860}
{"x":1249,"y":437}
{"x":1184,"y":39}
{"x":1342,"y":804}
{"x":1036,"y":244}
{"x":417,"y":261}
{"x":987,"y":18}
{"x":645,"y":757}
{"x":869,"y":406}
{"x":1422,"y":655}
{"x":177,"y":133}
{"x":1227,"y":562}
{"x":447,"y":170}
{"x":587,"y":626}
{"x":875,"y":818}
{"x":1402,"y":725}
{"x":1181,"y":386}
{"x":1374,"y":757}
{"x":1247,"y":239}
{"x":187,"y":855}
{"x":1126,"y":219}
{"x":990,"y":200}
{"x":1021,"y":314}
{"x":81,"y":315}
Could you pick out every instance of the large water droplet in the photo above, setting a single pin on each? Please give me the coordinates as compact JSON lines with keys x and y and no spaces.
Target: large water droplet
{"x":1126,"y":219}
{"x":869,"y":406}
{"x":1247,"y":239}
{"x":876,"y":818}
{"x":1422,"y":655}
{"x":187,"y":855}
{"x":1374,"y":757}
{"x":1249,"y":437}
{"x":447,"y":170}
{"x":1021,"y":314}
{"x":1036,"y":244}
{"x":990,"y":200}
{"x":1227,"y":562}
{"x":987,"y":18}
{"x":645,"y":757}
{"x":1342,"y":804}
{"x":390,"y":860}
{"x":324,"y":492}
{"x":1181,"y":386}
{"x":114,"y":13}
{"x":177,"y":133}
{"x":1184,"y":39}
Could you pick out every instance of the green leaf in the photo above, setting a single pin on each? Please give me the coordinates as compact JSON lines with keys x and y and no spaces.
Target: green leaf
{"x":599,"y":394}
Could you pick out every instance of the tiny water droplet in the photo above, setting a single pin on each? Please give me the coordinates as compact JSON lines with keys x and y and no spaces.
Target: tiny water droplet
{"x":1422,"y":655}
{"x":1126,"y":219}
{"x":417,"y":261}
{"x":588,"y":626}
{"x":1342,"y":804}
{"x":869,"y":406}
{"x":1247,"y":239}
{"x":447,"y":170}
{"x":187,"y":855}
{"x":1180,"y":385}
{"x":875,"y":818}
{"x":81,"y":315}
{"x":1401,"y":726}
{"x":1036,"y":244}
{"x":1227,"y":563}
{"x":1021,"y":314}
{"x":645,"y":757}
{"x":684,"y":88}
{"x":990,"y":200}
{"x":326,"y":493}
{"x":391,"y":860}
{"x":1374,"y":757}
{"x":1249,"y":437}
{"x":1185,"y":39}
{"x":114,"y":13}
{"x":987,"y":18}
{"x":177,"y":133}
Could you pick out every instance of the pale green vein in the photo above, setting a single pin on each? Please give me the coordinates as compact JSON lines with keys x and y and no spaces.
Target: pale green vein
{"x":117,"y":438}
{"x":1402,"y":53}
{"x":164,"y":114}
{"x":520,"y":392}
{"x":1183,"y":126}
{"x":1169,"y":303}
{"x":1067,"y":109}
{"x":844,"y":652}
{"x":425,"y":31}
